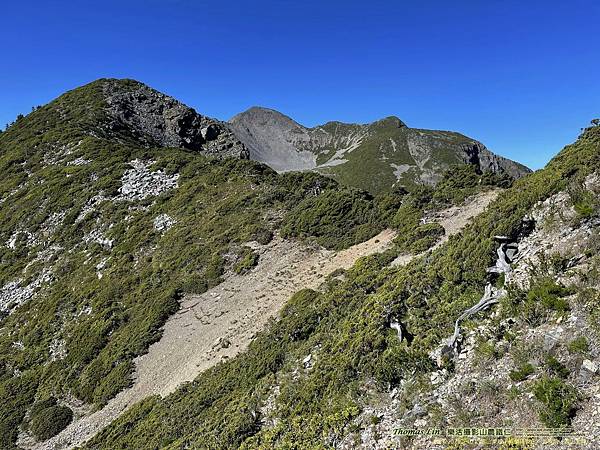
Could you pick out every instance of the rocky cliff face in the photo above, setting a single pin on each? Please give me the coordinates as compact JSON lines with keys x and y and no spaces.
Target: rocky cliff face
{"x":487,"y":161}
{"x":156,"y":119}
{"x":373,"y":156}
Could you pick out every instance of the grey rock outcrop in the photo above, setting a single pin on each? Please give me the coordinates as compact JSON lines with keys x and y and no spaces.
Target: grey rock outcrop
{"x":155,"y":119}
{"x":478,"y":155}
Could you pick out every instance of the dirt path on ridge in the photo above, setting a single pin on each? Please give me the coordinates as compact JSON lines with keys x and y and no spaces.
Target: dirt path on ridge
{"x":454,"y":219}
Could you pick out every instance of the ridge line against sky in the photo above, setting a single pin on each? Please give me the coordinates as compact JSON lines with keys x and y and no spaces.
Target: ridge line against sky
{"x":521,"y":78}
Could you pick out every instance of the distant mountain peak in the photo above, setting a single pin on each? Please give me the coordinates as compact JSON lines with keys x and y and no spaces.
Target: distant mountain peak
{"x":278,"y":142}
{"x":265,"y":116}
{"x":256,"y":109}
{"x":373,"y":156}
{"x":390,"y":121}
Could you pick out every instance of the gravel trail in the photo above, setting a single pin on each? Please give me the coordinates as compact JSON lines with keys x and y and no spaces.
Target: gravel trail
{"x":218,"y":325}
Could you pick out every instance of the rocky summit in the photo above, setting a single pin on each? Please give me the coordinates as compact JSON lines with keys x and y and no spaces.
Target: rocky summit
{"x":157,"y":119}
{"x":373,"y":156}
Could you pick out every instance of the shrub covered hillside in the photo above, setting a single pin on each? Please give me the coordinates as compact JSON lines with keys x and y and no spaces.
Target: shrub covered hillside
{"x":101,"y":232}
{"x":305,"y":381}
{"x":115,"y":201}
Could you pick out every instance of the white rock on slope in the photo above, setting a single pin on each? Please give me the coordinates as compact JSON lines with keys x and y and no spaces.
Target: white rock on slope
{"x":140,"y":183}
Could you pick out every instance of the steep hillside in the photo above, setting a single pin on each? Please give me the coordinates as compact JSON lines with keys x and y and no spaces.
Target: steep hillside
{"x":124,"y":213}
{"x":222,"y":322}
{"x":373,"y":157}
{"x":104,"y":225}
{"x":374,"y":349}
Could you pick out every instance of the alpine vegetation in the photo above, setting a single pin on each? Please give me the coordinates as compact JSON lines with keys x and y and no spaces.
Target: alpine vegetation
{"x":170,"y":280}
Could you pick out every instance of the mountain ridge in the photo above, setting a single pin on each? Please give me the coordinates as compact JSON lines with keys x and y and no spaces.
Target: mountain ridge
{"x":373,"y":156}
{"x":115,"y":211}
{"x":132,"y":113}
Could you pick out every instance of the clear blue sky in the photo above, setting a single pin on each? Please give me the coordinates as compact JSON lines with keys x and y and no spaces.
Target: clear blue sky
{"x":521,"y":76}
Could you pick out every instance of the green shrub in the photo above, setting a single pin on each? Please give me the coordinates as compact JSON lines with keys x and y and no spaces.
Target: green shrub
{"x":556,"y":368}
{"x":388,"y":203}
{"x":301,"y":314}
{"x":247,"y":261}
{"x":456,"y":184}
{"x":406,"y":218}
{"x":558,"y":400}
{"x":522,"y":373}
{"x":586,"y":206}
{"x":41,"y":405}
{"x":337,"y":219}
{"x":585,"y":202}
{"x":194,"y":285}
{"x":48,"y":419}
{"x":486,"y":349}
{"x":533,"y":306}
{"x":117,"y":379}
{"x":547,"y":292}
{"x":374,"y":419}
{"x":16,"y":396}
{"x":414,"y":237}
{"x":262,"y":235}
{"x":214,"y":270}
{"x":461,"y":181}
{"x":425,"y":236}
{"x":579,"y":345}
